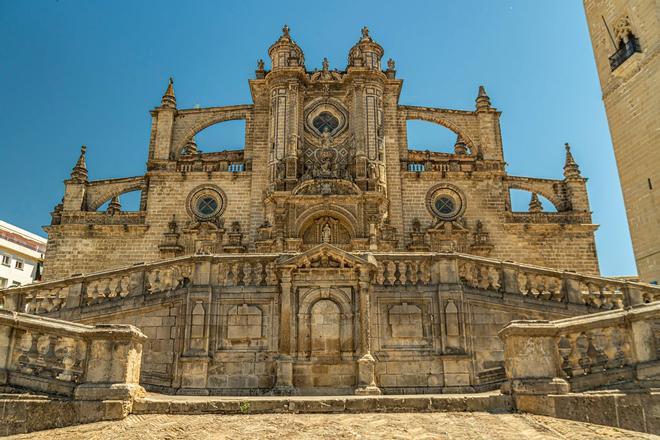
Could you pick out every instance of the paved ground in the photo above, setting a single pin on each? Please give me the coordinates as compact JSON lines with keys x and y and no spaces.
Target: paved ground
{"x":337,"y":426}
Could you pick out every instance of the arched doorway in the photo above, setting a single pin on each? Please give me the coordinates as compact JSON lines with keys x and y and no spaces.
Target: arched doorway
{"x":325,"y":321}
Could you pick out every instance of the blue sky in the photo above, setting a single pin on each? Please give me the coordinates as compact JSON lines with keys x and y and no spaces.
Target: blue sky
{"x":87,"y":72}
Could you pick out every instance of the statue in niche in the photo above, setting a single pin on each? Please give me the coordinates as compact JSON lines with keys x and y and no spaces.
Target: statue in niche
{"x":326,"y":138}
{"x":326,"y":234}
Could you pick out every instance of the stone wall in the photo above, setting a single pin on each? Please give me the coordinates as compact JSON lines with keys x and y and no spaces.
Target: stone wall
{"x":360,"y":177}
{"x":301,"y":323}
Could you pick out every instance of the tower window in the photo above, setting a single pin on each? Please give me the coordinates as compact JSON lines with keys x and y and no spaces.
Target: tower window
{"x":325,"y":121}
{"x":628,"y":43}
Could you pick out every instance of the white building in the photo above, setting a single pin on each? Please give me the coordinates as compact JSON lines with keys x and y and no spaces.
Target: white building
{"x":21,"y":256}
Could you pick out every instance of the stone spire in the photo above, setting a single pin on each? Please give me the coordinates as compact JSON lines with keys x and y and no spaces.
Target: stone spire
{"x":114,"y":206}
{"x":79,"y":172}
{"x":571,"y":169}
{"x":483,"y":101}
{"x":190,"y":147}
{"x":169,"y":100}
{"x":535,"y":204}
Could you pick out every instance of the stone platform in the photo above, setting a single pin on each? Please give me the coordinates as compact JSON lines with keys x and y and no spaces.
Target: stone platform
{"x":494,"y":402}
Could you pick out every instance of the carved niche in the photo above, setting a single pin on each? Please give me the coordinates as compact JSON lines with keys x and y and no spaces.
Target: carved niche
{"x":326,"y":230}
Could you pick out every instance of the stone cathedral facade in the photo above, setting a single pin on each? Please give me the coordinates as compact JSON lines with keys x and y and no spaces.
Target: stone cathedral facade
{"x":327,"y":255}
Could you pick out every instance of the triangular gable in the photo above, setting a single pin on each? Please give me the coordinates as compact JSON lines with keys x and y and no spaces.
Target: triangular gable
{"x":324,"y":255}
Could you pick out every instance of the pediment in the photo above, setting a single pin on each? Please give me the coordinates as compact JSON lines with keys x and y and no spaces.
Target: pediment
{"x":325,"y":256}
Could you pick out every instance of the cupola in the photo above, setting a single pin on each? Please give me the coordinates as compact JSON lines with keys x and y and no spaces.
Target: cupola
{"x":285,"y":52}
{"x":366,"y":52}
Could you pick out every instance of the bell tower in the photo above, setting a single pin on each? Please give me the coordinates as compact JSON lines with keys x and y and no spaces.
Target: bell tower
{"x":625,"y":35}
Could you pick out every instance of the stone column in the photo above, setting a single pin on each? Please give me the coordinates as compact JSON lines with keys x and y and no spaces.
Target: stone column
{"x":113,"y":367}
{"x":366,"y":380}
{"x":643,"y":343}
{"x":194,"y":361}
{"x":532,"y":360}
{"x":284,"y":380}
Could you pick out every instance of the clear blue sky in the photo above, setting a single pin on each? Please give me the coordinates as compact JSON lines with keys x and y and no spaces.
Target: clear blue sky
{"x":77,"y":72}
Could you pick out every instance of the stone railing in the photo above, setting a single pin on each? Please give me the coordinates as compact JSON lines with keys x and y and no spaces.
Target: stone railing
{"x":570,"y":217}
{"x":392,"y":270}
{"x":245,"y":271}
{"x":553,"y":285}
{"x":581,"y":353}
{"x":525,"y":281}
{"x":57,"y":357}
{"x":99,"y":287}
{"x":404,"y":270}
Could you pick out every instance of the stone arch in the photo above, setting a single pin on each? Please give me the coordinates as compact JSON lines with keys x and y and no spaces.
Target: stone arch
{"x":347,"y":219}
{"x":341,"y":322}
{"x":444,"y":118}
{"x":336,"y":295}
{"x":193,"y":121}
{"x":325,"y":328}
{"x":542,"y":188}
{"x":99,"y":194}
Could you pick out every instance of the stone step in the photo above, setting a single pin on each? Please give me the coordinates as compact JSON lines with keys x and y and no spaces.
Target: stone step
{"x":493,"y":402}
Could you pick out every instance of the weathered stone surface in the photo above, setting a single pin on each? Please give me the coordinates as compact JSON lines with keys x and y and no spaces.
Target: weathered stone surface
{"x":370,"y":426}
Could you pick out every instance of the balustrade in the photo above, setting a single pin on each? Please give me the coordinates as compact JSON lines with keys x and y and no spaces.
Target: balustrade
{"x":86,"y":362}
{"x":246,"y":272}
{"x":586,"y":351}
{"x":392,"y":269}
{"x":403,"y":272}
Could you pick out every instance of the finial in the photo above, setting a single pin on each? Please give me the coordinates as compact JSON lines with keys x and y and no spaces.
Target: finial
{"x":483,"y":101}
{"x":79,"y":172}
{"x":190,"y":147}
{"x":365,"y":33}
{"x":459,"y":147}
{"x":535,"y":204}
{"x":172,"y":225}
{"x":391,"y":71}
{"x":260,"y":73}
{"x":169,"y":100}
{"x":285,"y":31}
{"x":114,"y":206}
{"x":571,"y":168}
{"x":325,"y":64}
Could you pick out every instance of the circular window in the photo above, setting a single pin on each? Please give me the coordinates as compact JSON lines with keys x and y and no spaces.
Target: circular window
{"x":445,"y":202}
{"x":206,"y":202}
{"x":207,"y":205}
{"x":325,"y":121}
{"x":445,"y":205}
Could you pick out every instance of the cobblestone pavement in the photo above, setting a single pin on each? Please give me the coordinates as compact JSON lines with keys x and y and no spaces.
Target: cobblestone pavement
{"x":338,"y":426}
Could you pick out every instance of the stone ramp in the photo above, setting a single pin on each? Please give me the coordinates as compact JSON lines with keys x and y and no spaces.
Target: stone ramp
{"x":450,"y":425}
{"x":493,"y":402}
